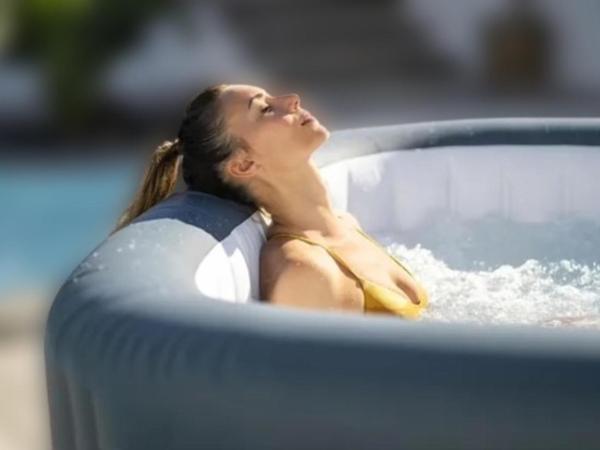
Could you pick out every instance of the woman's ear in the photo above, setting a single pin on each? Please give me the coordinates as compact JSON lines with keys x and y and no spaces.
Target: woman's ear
{"x":241,"y":165}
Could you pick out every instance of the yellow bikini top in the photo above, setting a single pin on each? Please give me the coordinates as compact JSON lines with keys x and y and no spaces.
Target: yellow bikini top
{"x":378,"y":298}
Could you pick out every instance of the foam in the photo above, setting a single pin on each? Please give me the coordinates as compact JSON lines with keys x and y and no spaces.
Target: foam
{"x":496,"y":271}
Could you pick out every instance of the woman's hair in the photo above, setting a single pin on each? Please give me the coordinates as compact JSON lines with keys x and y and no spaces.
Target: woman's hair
{"x":202,"y":147}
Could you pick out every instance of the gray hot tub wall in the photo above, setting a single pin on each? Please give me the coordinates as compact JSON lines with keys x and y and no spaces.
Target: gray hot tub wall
{"x":140,"y":355}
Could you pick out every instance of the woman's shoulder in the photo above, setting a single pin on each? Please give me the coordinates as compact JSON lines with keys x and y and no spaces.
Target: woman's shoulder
{"x":282,"y":249}
{"x":297,"y":274}
{"x":279,"y":251}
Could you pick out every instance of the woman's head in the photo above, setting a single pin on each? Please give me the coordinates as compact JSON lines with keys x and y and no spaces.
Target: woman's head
{"x":272,"y":129}
{"x":230,"y":137}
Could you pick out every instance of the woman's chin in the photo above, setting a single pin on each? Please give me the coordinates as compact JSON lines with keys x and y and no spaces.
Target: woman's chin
{"x":320,"y":138}
{"x":325,"y":132}
{"x":319,"y":128}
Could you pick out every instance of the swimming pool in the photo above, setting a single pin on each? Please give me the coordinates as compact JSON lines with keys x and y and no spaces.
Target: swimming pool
{"x":54,"y":214}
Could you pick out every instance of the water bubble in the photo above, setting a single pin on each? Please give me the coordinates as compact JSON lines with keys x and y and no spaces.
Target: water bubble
{"x":511,"y":279}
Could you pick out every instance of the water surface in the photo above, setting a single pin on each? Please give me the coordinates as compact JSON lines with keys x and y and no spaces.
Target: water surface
{"x":496,"y":271}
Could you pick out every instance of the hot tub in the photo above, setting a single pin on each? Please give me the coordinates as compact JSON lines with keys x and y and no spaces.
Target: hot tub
{"x":158,"y":338}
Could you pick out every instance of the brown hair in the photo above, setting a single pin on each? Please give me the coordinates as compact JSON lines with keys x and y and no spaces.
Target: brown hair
{"x":201,"y":149}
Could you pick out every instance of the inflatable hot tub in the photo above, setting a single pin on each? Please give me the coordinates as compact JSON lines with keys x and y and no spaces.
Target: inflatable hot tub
{"x":159,"y":340}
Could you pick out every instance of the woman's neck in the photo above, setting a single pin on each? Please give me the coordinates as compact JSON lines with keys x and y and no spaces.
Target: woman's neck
{"x":299,"y":202}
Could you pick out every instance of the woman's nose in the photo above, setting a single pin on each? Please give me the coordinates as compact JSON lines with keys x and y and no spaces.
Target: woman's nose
{"x":293,"y":101}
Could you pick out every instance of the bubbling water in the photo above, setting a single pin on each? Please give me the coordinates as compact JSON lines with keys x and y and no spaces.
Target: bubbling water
{"x":498,"y":272}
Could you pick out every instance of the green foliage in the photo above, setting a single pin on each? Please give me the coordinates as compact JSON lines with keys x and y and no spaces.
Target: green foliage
{"x":74,"y":40}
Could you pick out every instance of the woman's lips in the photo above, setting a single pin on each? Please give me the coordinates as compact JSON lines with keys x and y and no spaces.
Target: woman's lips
{"x":306,"y":118}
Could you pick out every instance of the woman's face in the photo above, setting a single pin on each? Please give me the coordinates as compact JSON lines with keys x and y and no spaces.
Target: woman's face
{"x":273,"y":126}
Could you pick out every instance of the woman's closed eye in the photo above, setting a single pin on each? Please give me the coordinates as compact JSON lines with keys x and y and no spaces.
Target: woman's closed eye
{"x":264,"y":110}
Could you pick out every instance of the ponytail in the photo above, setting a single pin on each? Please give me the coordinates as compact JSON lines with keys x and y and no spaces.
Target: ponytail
{"x":159,"y":181}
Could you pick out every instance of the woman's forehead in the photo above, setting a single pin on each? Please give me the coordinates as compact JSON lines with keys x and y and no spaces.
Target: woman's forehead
{"x":236,"y":98}
{"x":239,"y":94}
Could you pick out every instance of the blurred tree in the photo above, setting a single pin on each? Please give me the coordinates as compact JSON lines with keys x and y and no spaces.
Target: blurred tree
{"x":7,"y":8}
{"x":74,"y":40}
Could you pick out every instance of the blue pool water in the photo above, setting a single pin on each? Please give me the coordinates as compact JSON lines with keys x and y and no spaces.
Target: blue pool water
{"x":52,"y":217}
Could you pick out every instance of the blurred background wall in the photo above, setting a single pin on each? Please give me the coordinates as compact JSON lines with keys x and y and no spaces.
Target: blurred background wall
{"x":88,"y":88}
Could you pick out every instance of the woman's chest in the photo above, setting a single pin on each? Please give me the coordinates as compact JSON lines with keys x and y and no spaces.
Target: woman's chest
{"x":362,"y":260}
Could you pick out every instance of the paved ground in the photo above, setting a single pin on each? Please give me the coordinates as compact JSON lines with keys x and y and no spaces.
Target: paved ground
{"x":23,"y":405}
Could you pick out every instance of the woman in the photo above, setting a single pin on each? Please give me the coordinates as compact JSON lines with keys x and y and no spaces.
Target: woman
{"x":241,"y":143}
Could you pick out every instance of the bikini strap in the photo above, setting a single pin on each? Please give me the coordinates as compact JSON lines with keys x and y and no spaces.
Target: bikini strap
{"x":381,"y":246}
{"x":331,"y":252}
